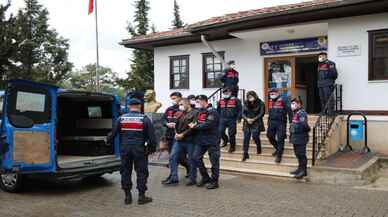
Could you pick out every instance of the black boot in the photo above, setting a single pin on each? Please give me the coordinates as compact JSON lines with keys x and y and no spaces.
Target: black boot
{"x":278,"y":159}
{"x":294,"y":172}
{"x":258,"y":150}
{"x":212,"y":185}
{"x":232,"y":148}
{"x":128,"y":197}
{"x":143,"y":199}
{"x":203,"y":182}
{"x":166,"y":180}
{"x":274,"y":153}
{"x":224,"y":144}
{"x":245,"y":157}
{"x":191,"y":182}
{"x":301,"y":174}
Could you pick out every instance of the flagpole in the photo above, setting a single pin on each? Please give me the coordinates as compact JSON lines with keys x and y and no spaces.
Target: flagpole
{"x":97,"y":51}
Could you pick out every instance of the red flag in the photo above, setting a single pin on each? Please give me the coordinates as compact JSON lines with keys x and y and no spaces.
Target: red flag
{"x":91,"y":7}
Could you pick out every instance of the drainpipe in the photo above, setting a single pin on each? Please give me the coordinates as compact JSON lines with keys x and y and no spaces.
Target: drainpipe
{"x":216,"y":54}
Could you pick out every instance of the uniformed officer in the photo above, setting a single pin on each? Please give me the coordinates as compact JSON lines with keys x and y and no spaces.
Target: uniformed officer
{"x":135,"y":130}
{"x":230,"y":110}
{"x":137,"y":95}
{"x":278,"y":108}
{"x":207,"y":140}
{"x":230,"y":78}
{"x":299,"y":137}
{"x":327,"y":74}
{"x":169,"y":121}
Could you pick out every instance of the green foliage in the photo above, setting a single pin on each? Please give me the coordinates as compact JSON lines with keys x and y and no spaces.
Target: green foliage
{"x":177,"y":22}
{"x":36,"y":51}
{"x":84,"y":79}
{"x":141,"y":74}
{"x":7,"y":44}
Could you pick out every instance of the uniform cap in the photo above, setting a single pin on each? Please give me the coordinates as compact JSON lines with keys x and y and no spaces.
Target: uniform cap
{"x":134,"y":101}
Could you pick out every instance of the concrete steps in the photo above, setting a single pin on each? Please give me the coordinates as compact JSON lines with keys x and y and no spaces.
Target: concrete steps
{"x":262,"y":164}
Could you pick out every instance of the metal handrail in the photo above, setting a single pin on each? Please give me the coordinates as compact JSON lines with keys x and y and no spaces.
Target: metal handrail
{"x":325,"y":120}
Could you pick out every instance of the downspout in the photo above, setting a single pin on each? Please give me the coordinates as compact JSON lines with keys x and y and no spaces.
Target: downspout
{"x":216,"y":54}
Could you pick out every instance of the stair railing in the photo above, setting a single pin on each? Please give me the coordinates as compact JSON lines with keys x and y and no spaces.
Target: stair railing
{"x":325,"y":120}
{"x":217,"y":95}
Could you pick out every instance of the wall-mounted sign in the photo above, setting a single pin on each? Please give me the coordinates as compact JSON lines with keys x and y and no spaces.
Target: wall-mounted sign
{"x":349,"y":50}
{"x":294,"y":46}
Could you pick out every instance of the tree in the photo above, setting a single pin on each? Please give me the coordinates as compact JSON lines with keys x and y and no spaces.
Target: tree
{"x":177,"y":22}
{"x":84,"y":79}
{"x":42,"y":55}
{"x":141,"y":74}
{"x":7,"y":43}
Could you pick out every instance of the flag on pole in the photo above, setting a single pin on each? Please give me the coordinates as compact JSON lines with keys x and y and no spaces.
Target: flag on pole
{"x":91,"y":7}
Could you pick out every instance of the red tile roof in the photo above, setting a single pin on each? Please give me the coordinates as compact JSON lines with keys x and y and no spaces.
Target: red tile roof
{"x":228,"y":18}
{"x":251,"y":13}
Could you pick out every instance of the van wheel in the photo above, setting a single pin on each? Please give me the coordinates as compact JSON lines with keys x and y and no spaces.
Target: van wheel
{"x":11,"y":182}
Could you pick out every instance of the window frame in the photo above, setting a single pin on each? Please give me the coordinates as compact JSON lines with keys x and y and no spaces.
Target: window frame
{"x":371,"y":56}
{"x":204,"y":68}
{"x":171,"y":73}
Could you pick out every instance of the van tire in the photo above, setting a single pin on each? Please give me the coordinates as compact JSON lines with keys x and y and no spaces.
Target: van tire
{"x":11,"y":182}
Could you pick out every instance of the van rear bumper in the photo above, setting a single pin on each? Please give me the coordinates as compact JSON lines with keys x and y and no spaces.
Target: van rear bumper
{"x":82,"y":172}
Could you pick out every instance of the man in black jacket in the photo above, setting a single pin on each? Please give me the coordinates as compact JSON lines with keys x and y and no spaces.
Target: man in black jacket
{"x":184,"y":143}
{"x":169,"y":121}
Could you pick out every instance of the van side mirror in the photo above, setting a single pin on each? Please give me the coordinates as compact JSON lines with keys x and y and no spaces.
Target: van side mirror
{"x":21,"y":121}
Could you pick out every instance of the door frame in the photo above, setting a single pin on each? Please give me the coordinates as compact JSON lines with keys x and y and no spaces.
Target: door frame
{"x":266,"y":75}
{"x":292,"y":59}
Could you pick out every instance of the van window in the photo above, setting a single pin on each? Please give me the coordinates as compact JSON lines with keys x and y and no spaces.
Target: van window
{"x":94,"y":112}
{"x":31,"y":102}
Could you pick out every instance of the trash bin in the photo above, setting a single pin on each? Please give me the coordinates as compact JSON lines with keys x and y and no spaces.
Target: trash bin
{"x":356,"y":129}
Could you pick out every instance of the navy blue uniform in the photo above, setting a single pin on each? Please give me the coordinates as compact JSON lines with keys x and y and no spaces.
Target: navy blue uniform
{"x":230,"y":111}
{"x":230,"y":80}
{"x":207,"y":140}
{"x":327,"y":74}
{"x":135,"y":130}
{"x":299,"y":137}
{"x":278,"y":110}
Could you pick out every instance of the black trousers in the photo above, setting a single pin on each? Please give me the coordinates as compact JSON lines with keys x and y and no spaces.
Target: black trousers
{"x":130,"y":160}
{"x":276,"y":134}
{"x":214,"y":157}
{"x":300,"y":153}
{"x":231,"y":125}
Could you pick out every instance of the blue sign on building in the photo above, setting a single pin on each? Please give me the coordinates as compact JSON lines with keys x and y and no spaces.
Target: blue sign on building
{"x":294,"y":46}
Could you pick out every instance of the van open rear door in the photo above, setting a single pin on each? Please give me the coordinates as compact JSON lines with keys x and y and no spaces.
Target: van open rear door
{"x":28,"y":128}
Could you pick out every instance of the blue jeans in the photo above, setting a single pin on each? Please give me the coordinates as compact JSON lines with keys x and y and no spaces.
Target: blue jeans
{"x":177,"y":149}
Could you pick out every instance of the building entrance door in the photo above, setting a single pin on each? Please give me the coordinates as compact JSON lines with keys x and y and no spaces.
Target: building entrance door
{"x":279,"y":74}
{"x":295,"y":76}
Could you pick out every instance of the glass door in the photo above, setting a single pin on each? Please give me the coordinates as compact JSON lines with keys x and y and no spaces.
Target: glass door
{"x":279,"y":74}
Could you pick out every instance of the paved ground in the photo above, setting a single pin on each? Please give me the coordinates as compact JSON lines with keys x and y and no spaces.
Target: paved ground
{"x":238,"y":196}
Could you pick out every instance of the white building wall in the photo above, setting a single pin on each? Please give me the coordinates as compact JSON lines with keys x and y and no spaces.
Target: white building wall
{"x":245,"y":53}
{"x":359,"y":93}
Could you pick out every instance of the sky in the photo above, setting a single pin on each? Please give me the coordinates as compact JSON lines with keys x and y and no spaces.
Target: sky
{"x":70,"y":19}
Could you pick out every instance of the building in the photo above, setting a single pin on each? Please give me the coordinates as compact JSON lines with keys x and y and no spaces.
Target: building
{"x":286,"y":38}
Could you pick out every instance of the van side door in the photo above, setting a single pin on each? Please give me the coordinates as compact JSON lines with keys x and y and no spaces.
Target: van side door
{"x":28,"y":127}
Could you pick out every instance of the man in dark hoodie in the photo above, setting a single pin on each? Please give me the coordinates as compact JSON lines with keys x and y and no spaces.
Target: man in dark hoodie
{"x":253,"y":113}
{"x":230,"y":78}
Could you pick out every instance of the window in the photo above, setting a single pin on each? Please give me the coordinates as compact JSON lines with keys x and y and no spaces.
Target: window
{"x":94,"y":112}
{"x":179,"y":72}
{"x":378,"y":55}
{"x":212,"y":70}
{"x":33,"y":102}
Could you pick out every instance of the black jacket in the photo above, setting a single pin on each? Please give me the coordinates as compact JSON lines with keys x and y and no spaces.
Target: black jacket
{"x":255,"y":110}
{"x":182,"y":125}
